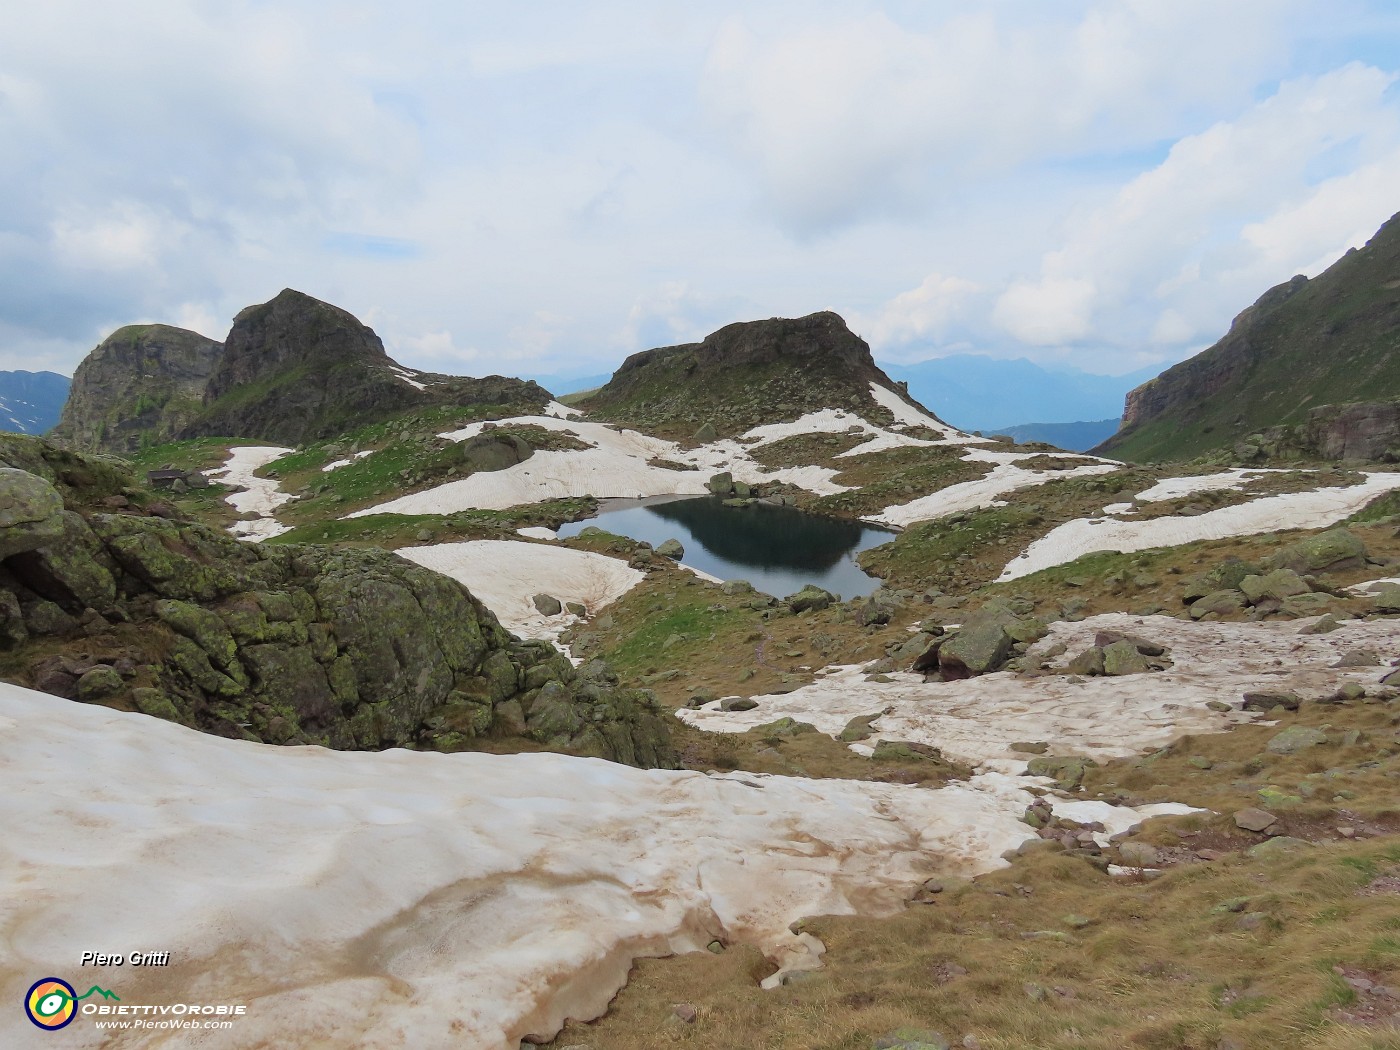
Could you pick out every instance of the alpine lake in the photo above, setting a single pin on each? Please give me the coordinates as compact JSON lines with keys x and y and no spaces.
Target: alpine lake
{"x":778,"y":549}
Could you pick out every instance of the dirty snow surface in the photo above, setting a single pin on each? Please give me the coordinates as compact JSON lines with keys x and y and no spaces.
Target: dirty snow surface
{"x":261,"y":496}
{"x":506,"y":574}
{"x":621,"y":463}
{"x":976,"y":720}
{"x":1293,"y":510}
{"x":397,"y":899}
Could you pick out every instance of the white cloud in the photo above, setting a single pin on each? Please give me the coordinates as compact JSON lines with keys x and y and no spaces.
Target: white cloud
{"x":1049,"y":312}
{"x":1181,"y":248}
{"x":851,"y":117}
{"x":925,"y":312}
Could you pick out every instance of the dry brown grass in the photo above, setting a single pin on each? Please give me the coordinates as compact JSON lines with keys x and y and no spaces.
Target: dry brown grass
{"x":1160,"y":963}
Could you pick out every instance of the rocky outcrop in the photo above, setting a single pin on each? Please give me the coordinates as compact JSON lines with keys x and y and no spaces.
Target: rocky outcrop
{"x":142,"y":384}
{"x":292,"y":370}
{"x":745,"y":374}
{"x":295,"y":369}
{"x":1306,"y":343}
{"x":1362,"y":430}
{"x":349,"y":648}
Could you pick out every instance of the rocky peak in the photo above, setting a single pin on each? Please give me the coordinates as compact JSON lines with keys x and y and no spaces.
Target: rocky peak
{"x":142,"y":383}
{"x":744,"y":374}
{"x":1331,"y":340}
{"x":291,"y":330}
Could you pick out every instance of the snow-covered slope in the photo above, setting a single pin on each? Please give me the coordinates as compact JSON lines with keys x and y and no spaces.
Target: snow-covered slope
{"x":1293,"y":510}
{"x":402,"y":899}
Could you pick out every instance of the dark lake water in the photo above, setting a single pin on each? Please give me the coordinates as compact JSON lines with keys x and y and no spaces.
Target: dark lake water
{"x":777,"y":549}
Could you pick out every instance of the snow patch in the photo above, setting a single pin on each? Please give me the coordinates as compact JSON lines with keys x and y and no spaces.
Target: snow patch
{"x":981,"y":492}
{"x":260,"y":496}
{"x":505,"y":574}
{"x":1294,"y":510}
{"x":346,"y":462}
{"x":1174,"y":488}
{"x":976,"y":720}
{"x":538,"y":532}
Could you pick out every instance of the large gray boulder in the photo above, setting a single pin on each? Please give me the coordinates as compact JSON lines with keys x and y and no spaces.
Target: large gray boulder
{"x":1326,"y":552}
{"x":978,"y":648}
{"x":31,"y":512}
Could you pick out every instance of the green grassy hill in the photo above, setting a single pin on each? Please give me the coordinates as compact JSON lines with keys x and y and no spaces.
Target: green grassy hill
{"x":1306,"y":343}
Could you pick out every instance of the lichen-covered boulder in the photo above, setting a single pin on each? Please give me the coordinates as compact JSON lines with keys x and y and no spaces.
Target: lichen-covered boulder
{"x":1328,"y":551}
{"x":978,"y":648}
{"x":811,"y":597}
{"x":31,"y":512}
{"x":1278,"y":585}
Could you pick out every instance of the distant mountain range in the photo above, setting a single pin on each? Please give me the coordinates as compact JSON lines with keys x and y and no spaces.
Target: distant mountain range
{"x":1076,"y":437}
{"x":30,"y":402}
{"x":973,"y":392}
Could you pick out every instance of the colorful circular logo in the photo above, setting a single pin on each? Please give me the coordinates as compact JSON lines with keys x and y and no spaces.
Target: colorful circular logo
{"x":51,"y":1003}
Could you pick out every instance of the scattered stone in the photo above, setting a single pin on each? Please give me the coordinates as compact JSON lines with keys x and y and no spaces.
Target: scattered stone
{"x":721,"y":484}
{"x":1326,"y":552}
{"x":978,"y":648}
{"x":1252,"y":819}
{"x":1067,"y":773}
{"x":685,"y":1012}
{"x":1387,"y":598}
{"x":911,"y":1039}
{"x":705,"y":434}
{"x":859,"y":728}
{"x":1037,"y":747}
{"x":1326,"y":624}
{"x":1267,"y":700}
{"x":1089,"y":662}
{"x":1139,"y":855}
{"x":1219,"y":603}
{"x":1106,"y":638}
{"x":547,"y":605}
{"x":1278,"y":585}
{"x":810,"y":597}
{"x":672,"y":549}
{"x":1295,"y":739}
{"x":99,"y":683}
{"x":1200,"y":762}
{"x":785,"y":726}
{"x":1359,"y":658}
{"x":31,"y":512}
{"x":905,"y":751}
{"x":715,"y":947}
{"x":737,"y":703}
{"x":1122,"y":658}
{"x":1218,"y":705}
{"x":1278,"y":844}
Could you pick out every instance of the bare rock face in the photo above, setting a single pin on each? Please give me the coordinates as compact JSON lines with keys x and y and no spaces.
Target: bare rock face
{"x":141,"y":382}
{"x":295,"y":369}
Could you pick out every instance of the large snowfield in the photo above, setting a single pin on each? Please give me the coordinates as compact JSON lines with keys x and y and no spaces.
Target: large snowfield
{"x":401,"y":899}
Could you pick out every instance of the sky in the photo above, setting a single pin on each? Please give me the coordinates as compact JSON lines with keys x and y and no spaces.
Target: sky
{"x":545,"y":188}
